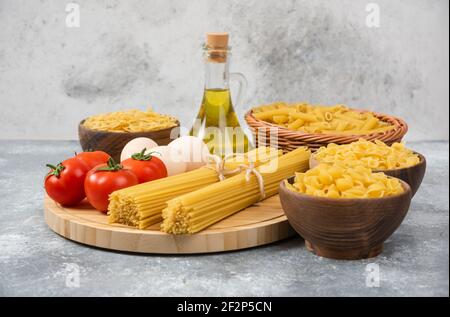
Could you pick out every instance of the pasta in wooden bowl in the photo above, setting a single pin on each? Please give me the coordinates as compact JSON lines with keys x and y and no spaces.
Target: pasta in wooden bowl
{"x":314,"y":126}
{"x":110,"y":132}
{"x":395,"y":160}
{"x":344,"y":213}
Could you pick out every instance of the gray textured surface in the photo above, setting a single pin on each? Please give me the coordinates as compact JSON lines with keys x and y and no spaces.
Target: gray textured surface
{"x":35,"y":261}
{"x":133,"y":53}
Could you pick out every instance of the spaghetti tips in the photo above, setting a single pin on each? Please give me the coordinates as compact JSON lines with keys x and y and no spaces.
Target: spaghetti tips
{"x":199,"y":209}
{"x":141,"y":206}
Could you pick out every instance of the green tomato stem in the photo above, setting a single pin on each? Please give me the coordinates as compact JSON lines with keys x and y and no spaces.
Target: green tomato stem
{"x":142,"y":156}
{"x":55,"y":170}
{"x":112,"y":166}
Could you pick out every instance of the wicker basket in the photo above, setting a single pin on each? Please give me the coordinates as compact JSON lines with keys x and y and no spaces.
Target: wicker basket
{"x":289,"y":140}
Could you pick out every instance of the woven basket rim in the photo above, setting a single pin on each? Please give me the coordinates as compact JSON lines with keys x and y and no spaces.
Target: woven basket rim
{"x":398,"y":123}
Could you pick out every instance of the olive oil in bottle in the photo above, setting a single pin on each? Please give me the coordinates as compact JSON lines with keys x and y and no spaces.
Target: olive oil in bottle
{"x":217,"y":122}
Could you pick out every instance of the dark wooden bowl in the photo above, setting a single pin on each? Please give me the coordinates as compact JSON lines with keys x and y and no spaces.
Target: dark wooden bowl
{"x":413,"y":175}
{"x":113,"y":142}
{"x":347,"y":229}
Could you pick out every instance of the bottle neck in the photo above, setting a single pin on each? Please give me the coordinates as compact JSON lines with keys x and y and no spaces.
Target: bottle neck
{"x":217,"y":75}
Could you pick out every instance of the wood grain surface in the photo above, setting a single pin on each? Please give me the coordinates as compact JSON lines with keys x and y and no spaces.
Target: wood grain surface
{"x":257,"y":225}
{"x":342,"y":228}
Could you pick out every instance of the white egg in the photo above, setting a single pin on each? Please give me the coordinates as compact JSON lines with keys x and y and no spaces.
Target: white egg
{"x":191,"y":150}
{"x":169,"y":158}
{"x":135,"y":146}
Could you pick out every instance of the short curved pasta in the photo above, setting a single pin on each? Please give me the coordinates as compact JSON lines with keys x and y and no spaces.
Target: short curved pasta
{"x":374,"y":155}
{"x":130,"y":121}
{"x":341,"y":181}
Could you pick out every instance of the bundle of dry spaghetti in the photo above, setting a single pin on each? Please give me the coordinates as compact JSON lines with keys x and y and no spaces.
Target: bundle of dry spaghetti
{"x":197,"y":210}
{"x":141,"y":205}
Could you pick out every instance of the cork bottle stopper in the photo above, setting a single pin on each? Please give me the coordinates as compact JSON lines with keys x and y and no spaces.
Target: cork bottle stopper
{"x":217,"y":45}
{"x":217,"y":40}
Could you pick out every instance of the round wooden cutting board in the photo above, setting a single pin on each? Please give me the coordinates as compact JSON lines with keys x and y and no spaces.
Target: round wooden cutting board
{"x":257,"y":225}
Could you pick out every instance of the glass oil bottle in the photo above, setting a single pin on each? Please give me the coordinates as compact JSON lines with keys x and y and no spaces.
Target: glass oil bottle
{"x":217,"y":122}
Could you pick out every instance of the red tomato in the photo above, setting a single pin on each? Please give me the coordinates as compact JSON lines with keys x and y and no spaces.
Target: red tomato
{"x":93,"y":159}
{"x":103,"y":180}
{"x":146,"y":167}
{"x":65,"y":182}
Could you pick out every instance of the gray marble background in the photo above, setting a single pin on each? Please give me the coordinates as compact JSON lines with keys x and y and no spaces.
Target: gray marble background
{"x":129,"y":54}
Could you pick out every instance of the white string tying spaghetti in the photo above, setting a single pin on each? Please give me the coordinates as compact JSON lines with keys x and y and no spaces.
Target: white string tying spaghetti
{"x":249,"y":169}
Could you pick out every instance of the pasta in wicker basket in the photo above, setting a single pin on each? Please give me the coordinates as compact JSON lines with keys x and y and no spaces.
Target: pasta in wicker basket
{"x":303,"y":124}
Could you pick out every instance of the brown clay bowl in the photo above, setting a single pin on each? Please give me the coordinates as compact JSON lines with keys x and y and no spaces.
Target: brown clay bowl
{"x":413,"y":175}
{"x":113,"y":142}
{"x":342,"y":228}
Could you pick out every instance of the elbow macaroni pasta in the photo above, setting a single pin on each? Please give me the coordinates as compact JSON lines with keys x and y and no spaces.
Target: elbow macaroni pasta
{"x":337,"y":119}
{"x":374,"y":155}
{"x":340,"y":181}
{"x":130,"y":121}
